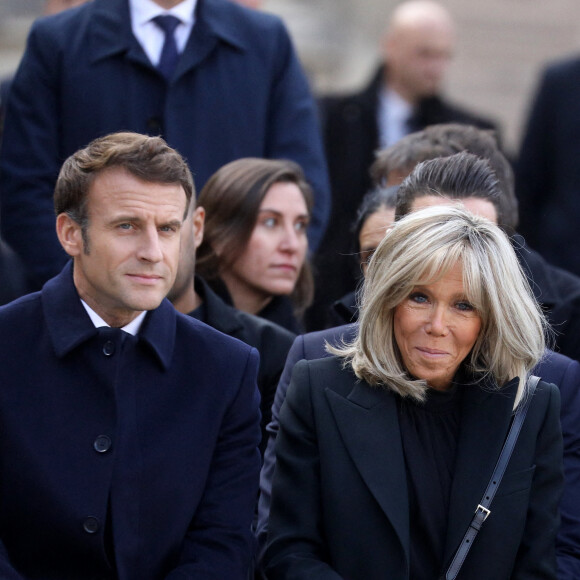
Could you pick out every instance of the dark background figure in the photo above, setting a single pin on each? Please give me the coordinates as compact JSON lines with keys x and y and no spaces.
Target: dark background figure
{"x":255,"y":251}
{"x":13,"y":280}
{"x":50,"y":7}
{"x":12,"y":277}
{"x":192,"y":295}
{"x":405,"y":95}
{"x":548,"y":171}
{"x":4,"y":89}
{"x":237,"y":90}
{"x":128,"y":448}
{"x":375,"y":214}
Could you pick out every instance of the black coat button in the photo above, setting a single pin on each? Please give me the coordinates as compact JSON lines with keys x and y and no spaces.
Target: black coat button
{"x":91,"y":525}
{"x":109,"y":348}
{"x":102,"y":444}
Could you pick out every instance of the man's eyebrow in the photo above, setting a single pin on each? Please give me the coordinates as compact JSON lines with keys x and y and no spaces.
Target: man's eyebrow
{"x":124,"y":218}
{"x":136,"y":219}
{"x":172,"y":223}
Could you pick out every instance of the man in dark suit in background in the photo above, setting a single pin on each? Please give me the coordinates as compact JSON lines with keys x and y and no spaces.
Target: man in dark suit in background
{"x":405,"y":95}
{"x":129,"y":431}
{"x":548,"y":171}
{"x":217,"y":80}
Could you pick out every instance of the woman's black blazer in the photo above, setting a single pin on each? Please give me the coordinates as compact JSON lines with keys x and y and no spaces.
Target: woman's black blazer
{"x":340,"y":505}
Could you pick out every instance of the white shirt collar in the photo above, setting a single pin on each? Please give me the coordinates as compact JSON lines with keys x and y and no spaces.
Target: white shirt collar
{"x":149,"y":35}
{"x":143,"y":11}
{"x":132,"y":328}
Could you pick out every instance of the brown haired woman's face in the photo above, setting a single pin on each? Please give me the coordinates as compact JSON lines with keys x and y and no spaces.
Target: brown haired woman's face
{"x":275,"y":253}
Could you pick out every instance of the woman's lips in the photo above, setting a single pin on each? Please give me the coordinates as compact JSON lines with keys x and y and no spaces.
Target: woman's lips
{"x":432,"y":352}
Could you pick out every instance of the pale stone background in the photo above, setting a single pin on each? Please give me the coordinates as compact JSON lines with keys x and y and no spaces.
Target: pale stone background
{"x":502,"y":46}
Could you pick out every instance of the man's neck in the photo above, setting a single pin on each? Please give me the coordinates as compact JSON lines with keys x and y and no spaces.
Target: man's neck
{"x":188,"y":301}
{"x":393,"y":84}
{"x":167,"y":4}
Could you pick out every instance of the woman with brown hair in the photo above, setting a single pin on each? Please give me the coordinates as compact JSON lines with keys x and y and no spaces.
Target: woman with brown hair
{"x":254,"y":252}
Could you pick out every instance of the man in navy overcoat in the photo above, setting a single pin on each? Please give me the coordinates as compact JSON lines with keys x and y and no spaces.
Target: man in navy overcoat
{"x":128,"y":449}
{"x":237,"y":90}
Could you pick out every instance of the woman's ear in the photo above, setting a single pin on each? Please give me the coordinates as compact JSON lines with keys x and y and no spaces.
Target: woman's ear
{"x":69,"y":234}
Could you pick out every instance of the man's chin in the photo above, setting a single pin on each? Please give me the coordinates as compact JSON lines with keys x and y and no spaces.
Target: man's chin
{"x":147,"y":300}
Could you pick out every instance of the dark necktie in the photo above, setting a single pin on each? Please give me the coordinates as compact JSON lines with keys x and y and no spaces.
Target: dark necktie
{"x":169,"y":53}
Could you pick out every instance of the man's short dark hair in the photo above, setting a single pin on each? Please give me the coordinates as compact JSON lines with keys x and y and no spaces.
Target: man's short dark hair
{"x":459,"y":176}
{"x":147,"y":158}
{"x":445,"y":140}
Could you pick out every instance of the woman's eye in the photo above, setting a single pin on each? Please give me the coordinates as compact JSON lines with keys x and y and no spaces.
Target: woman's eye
{"x":269,"y":222}
{"x":418,"y":297}
{"x":465,"y":306}
{"x":300,"y":226}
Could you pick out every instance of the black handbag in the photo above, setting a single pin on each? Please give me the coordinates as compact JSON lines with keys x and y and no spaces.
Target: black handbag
{"x":482,"y":511}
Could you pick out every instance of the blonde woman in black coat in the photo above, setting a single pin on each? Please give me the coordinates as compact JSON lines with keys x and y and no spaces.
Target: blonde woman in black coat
{"x":385,"y":450}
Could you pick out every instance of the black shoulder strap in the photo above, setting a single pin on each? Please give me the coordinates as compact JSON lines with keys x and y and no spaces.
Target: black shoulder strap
{"x":482,"y":510}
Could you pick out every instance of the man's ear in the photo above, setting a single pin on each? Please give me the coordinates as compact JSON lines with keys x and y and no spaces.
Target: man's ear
{"x":198,"y":220}
{"x":69,"y":234}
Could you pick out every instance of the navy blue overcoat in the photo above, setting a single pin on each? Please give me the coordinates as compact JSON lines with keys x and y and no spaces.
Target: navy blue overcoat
{"x":138,"y":454}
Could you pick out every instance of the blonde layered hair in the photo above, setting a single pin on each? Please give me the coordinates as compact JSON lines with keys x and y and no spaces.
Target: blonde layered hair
{"x":420,"y":249}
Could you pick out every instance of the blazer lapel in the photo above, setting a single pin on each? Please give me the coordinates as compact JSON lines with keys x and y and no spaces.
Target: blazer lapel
{"x":485,"y":420}
{"x":369,"y":426}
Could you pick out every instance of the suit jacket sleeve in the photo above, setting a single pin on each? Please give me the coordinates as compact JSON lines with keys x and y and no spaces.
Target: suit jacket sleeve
{"x":294,"y":132}
{"x":568,"y":539}
{"x":29,"y":161}
{"x":297,"y":483}
{"x":220,"y":543}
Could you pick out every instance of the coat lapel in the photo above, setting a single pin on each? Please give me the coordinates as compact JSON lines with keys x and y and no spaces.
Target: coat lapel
{"x":485,"y":419}
{"x":110,"y":33}
{"x":215,"y":23}
{"x":369,"y":426}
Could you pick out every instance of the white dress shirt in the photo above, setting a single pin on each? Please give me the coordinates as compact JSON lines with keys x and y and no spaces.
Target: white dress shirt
{"x":149,"y":35}
{"x":394,"y":114}
{"x":132,"y":328}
